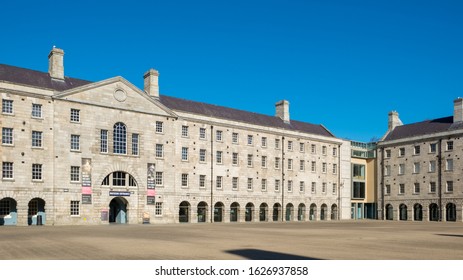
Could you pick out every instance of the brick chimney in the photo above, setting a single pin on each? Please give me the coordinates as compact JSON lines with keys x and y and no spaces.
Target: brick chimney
{"x":393,"y":120}
{"x":458,"y":110}
{"x":55,"y":63}
{"x":282,"y":110}
{"x":151,"y":83}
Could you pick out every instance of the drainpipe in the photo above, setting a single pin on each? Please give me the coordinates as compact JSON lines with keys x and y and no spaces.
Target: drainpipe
{"x":382,"y":183}
{"x":212,"y":174}
{"x":282,"y":177}
{"x":439,"y":180}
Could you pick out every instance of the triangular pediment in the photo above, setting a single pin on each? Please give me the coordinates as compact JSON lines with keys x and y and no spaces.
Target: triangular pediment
{"x":116,"y":93}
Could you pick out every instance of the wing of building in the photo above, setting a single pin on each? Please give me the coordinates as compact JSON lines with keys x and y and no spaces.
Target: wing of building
{"x":420,"y":169}
{"x":81,"y":152}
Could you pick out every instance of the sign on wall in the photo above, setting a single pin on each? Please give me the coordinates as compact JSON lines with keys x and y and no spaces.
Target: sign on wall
{"x":151,"y":176}
{"x":86,"y":181}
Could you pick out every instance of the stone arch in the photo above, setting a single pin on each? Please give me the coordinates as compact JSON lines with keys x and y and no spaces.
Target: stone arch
{"x":184,"y":212}
{"x":276,"y":213}
{"x":450,"y":212}
{"x":389,"y":212}
{"x":323,"y":212}
{"x":263,"y":212}
{"x":202,"y":212}
{"x":218,"y":212}
{"x":8,"y":211}
{"x":403,"y":212}
{"x":289,"y":212}
{"x":334,"y":211}
{"x":313,"y":212}
{"x":417,"y":212}
{"x":249,"y":212}
{"x":433,"y":212}
{"x":36,"y":211}
{"x":301,"y":212}
{"x":234,"y":212}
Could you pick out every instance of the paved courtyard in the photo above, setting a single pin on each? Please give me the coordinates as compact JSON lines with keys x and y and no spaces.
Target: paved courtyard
{"x":342,"y":240}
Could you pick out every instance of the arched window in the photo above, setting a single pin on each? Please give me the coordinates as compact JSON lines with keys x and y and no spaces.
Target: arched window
{"x":119,"y":179}
{"x":120,"y":138}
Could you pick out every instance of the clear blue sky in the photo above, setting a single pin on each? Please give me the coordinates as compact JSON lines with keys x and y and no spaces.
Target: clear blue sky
{"x":344,"y":64}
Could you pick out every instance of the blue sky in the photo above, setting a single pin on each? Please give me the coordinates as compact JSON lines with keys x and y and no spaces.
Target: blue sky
{"x":344,"y":64}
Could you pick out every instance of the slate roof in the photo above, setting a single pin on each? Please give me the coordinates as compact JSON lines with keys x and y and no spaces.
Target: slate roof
{"x":423,"y":128}
{"x":39,"y":79}
{"x":226,"y":113}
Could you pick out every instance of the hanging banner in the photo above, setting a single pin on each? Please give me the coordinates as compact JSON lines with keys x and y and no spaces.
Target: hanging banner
{"x":86,"y":172}
{"x":151,"y":176}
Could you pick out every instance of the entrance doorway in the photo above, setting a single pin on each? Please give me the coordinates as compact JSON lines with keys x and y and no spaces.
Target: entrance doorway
{"x":184,"y":212}
{"x":36,"y":212}
{"x":118,"y":211}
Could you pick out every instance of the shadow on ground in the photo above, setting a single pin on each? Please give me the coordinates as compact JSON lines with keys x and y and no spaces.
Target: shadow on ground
{"x":255,"y":254}
{"x":451,"y":235}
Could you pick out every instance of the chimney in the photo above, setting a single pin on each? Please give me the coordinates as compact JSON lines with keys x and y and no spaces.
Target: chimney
{"x":394,"y":120}
{"x":458,"y":110}
{"x":55,"y":64}
{"x":151,"y":84}
{"x":282,"y":110}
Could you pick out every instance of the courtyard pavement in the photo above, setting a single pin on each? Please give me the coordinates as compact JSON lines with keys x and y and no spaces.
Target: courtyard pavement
{"x":336,"y":240}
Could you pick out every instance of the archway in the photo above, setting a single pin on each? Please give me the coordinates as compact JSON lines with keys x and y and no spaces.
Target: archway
{"x":249,"y":212}
{"x":301,"y":212}
{"x":218,"y":212}
{"x":118,"y":210}
{"x":451,"y":212}
{"x":334,"y":212}
{"x":389,"y":212}
{"x":289,"y":212}
{"x":276,"y":212}
{"x":202,"y":212}
{"x":403,"y":215}
{"x":184,"y":212}
{"x":313,"y":212}
{"x":417,"y":212}
{"x":36,"y":212}
{"x":8,"y":212}
{"x":234,"y":212}
{"x":263,"y":209}
{"x":433,"y":212}
{"x":323,"y":212}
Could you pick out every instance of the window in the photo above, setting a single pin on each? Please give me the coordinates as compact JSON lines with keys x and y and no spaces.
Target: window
{"x":301,"y":165}
{"x":250,"y":139}
{"x":323,"y":187}
{"x":120,"y":139}
{"x":416,"y":150}
{"x":387,"y":190}
{"x":313,"y":166}
{"x":416,"y":167}
{"x":36,"y":139}
{"x":401,"y":188}
{"x":235,"y":183}
{"x":277,"y":185}
{"x":449,"y":186}
{"x":290,"y":164}
{"x":218,"y":182}
{"x":313,"y":149}
{"x":432,"y":166}
{"x":401,"y":152}
{"x":184,"y":153}
{"x":249,"y":184}
{"x":202,"y":133}
{"x":184,"y":180}
{"x":264,"y":161}
{"x":75,"y":173}
{"x":75,"y":142}
{"x":119,"y":178}
{"x":202,"y":155}
{"x":449,"y":145}
{"x":36,"y":110}
{"x":202,"y":181}
{"x":7,"y":106}
{"x":103,"y":141}
{"x":158,"y":209}
{"x":75,"y":208}
{"x":277,"y":144}
{"x":159,"y":150}
{"x":7,"y":136}
{"x":277,"y":163}
{"x":449,"y":164}
{"x":324,"y":167}
{"x":358,"y":171}
{"x":184,"y":131}
{"x":302,"y":186}
{"x":250,"y":160}
{"x":75,"y":115}
{"x":235,"y":138}
{"x":324,"y":150}
{"x":358,"y":190}
{"x":159,"y":179}
{"x":135,"y":138}
{"x":314,"y":187}
{"x":335,"y":168}
{"x":416,"y":188}
{"x":301,"y":147}
{"x":290,"y":186}
{"x":218,"y":157}
{"x":335,"y":188}
{"x":218,"y":135}
{"x":335,"y":152}
{"x":36,"y":171}
{"x":432,"y":187}
{"x":387,"y":170}
{"x":401,"y":169}
{"x":290,"y":145}
{"x":159,"y":127}
{"x":388,"y":153}
{"x":264,"y":142}
{"x":7,"y":170}
{"x":264,"y":185}
{"x":235,"y":158}
{"x":432,"y":147}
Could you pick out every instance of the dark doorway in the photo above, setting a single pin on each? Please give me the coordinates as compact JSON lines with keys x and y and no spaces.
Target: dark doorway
{"x":118,"y":211}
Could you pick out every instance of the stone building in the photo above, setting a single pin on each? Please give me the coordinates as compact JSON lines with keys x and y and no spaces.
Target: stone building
{"x":420,"y":169}
{"x":81,"y":152}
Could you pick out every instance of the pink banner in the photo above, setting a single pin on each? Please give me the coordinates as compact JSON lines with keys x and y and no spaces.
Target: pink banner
{"x":86,"y":190}
{"x":151,"y":192}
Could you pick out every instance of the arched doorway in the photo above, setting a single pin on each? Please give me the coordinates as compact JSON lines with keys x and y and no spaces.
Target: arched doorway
{"x":118,"y":211}
{"x":389,"y":212}
{"x":276,"y":212}
{"x":184,"y":212}
{"x":202,"y":212}
{"x":249,"y":212}
{"x":8,"y":212}
{"x":234,"y":212}
{"x":334,"y":212}
{"x":323,"y":212}
{"x":313,"y":212}
{"x":218,"y":212}
{"x":433,"y":212}
{"x":451,"y":212}
{"x":417,"y":212}
{"x":263,"y":209}
{"x":36,"y":212}
{"x":403,"y":215}
{"x":301,"y":212}
{"x":289,"y":212}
